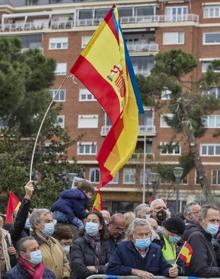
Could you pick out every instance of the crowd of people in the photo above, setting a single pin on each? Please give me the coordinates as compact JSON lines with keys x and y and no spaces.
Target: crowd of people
{"x":70,"y":241}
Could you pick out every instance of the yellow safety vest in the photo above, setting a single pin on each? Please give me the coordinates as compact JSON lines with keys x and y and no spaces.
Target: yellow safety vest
{"x":169,"y":251}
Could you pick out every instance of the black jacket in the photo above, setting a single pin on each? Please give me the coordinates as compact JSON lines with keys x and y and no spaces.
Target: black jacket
{"x":203,"y":262}
{"x":18,"y":272}
{"x":82,"y":255}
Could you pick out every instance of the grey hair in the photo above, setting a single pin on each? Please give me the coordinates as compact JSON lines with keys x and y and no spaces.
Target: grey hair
{"x":36,"y":214}
{"x":188,"y":207}
{"x":205,"y":208}
{"x":21,"y":243}
{"x":137,"y":222}
{"x":139,"y":208}
{"x":154,"y":203}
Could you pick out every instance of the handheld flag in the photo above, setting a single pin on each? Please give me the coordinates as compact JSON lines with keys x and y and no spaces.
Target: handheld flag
{"x":13,"y":205}
{"x":185,"y":253}
{"x":98,"y":203}
{"x":105,"y":68}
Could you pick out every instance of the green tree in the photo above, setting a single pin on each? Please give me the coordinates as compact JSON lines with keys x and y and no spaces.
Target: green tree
{"x":173,"y":71}
{"x":25,"y":78}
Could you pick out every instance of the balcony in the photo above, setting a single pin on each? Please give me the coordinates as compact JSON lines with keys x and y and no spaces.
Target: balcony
{"x":139,"y":157}
{"x":143,"y":130}
{"x":143,"y":47}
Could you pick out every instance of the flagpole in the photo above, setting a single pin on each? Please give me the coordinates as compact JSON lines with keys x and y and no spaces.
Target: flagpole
{"x":144,"y":171}
{"x":41,"y":125}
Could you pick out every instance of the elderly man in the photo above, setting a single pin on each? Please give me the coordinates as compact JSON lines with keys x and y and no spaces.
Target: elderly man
{"x":138,"y":256}
{"x":199,"y":235}
{"x":42,"y":223}
{"x":159,"y":211}
{"x":116,"y":231}
{"x":192,"y":212}
{"x":142,"y":210}
{"x":29,"y":264}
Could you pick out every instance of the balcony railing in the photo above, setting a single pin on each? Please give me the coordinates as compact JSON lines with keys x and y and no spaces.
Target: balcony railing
{"x":13,"y":27}
{"x":140,"y":157}
{"x":141,"y":47}
{"x":143,"y":130}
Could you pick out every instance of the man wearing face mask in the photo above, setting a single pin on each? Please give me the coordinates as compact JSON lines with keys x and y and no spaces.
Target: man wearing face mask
{"x":138,"y":256}
{"x":54,"y":258}
{"x":199,"y":236}
{"x":159,"y":211}
{"x":29,"y":264}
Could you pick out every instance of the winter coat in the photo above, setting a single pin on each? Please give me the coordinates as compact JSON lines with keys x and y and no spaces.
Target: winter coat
{"x":18,"y":272}
{"x":53,"y":256}
{"x":126,"y":257}
{"x":82,"y":255}
{"x":73,"y":203}
{"x":203,"y":261}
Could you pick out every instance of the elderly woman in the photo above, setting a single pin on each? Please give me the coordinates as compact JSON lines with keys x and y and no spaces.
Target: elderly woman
{"x":138,"y":256}
{"x":42,"y":223}
{"x":89,"y":253}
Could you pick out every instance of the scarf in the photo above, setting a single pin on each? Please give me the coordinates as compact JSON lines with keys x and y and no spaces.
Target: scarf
{"x":35,"y":272}
{"x":96,"y":245}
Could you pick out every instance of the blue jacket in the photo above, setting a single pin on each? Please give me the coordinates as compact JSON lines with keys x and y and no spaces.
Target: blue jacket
{"x":18,"y":272}
{"x":72,"y":202}
{"x":126,"y":257}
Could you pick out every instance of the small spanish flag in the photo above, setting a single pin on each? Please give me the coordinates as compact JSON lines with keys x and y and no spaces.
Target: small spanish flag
{"x":186,"y":253}
{"x":13,"y":205}
{"x":98,"y":203}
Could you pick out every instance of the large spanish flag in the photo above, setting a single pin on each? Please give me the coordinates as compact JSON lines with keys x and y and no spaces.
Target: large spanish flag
{"x":105,"y":68}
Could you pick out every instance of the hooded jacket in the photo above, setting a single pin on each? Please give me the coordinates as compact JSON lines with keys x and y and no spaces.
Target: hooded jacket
{"x":203,"y":261}
{"x":72,"y":202}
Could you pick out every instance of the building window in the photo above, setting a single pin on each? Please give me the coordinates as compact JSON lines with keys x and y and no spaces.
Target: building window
{"x":85,"y":95}
{"x":147,"y":176}
{"x":129,"y":176}
{"x":210,"y":149}
{"x":59,"y":96}
{"x":142,"y":64}
{"x":207,"y":63}
{"x":31,"y":41}
{"x":211,"y":121}
{"x":60,"y":121}
{"x":58,"y":43}
{"x":163,"y":119}
{"x":211,"y":11}
{"x":211,"y":38}
{"x":61,"y":69}
{"x":94,"y":175}
{"x":86,"y":148}
{"x":215,"y":92}
{"x":215,"y":177}
{"x":169,"y":148}
{"x":85,"y":40}
{"x":173,"y":38}
{"x":88,"y":121}
{"x":176,"y":13}
{"x":115,"y":179}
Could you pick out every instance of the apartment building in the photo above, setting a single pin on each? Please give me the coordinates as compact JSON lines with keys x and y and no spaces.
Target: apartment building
{"x":62,"y":28}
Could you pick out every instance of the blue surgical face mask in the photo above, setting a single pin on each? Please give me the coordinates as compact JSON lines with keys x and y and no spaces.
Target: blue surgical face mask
{"x":27,"y":224}
{"x":142,"y":244}
{"x":36,"y":257}
{"x":92,"y":228}
{"x":174,"y":238}
{"x":48,"y":229}
{"x":212,"y":228}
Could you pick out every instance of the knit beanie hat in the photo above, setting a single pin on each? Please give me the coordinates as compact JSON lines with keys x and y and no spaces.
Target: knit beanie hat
{"x":174,"y":225}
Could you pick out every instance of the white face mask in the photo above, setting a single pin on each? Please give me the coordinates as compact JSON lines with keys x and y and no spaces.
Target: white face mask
{"x":66,"y":249}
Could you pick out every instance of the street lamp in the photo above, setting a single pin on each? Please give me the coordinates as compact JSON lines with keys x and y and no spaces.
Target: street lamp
{"x":154,"y":179}
{"x":178,"y":172}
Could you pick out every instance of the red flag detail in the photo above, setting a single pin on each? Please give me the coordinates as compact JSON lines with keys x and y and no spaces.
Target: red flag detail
{"x":13,"y":204}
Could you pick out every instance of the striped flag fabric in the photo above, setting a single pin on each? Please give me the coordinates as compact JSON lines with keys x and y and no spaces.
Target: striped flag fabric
{"x":185,"y":253}
{"x":98,"y":203}
{"x":105,"y":68}
{"x":12,"y":206}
